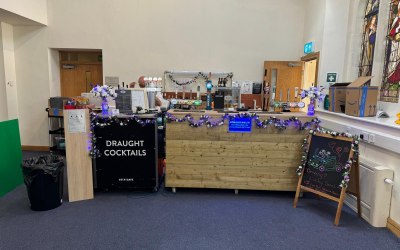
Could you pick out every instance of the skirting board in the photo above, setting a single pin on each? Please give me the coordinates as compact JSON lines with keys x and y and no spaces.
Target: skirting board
{"x":35,"y":148}
{"x":393,"y":227}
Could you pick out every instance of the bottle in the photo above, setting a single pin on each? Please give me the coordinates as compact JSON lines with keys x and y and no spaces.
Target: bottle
{"x":326,"y":102}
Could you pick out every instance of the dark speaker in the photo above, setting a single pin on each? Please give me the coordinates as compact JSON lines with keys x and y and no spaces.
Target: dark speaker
{"x":219,"y":101}
{"x":257,"y":87}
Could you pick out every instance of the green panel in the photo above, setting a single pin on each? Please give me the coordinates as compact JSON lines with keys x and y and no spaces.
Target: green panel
{"x":10,"y":156}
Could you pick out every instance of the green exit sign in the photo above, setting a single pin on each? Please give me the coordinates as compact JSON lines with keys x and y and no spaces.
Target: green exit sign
{"x":309,"y":48}
{"x":331,"y":77}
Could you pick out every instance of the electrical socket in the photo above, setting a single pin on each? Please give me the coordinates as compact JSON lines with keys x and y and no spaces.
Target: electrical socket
{"x":371,"y":139}
{"x":364,"y":136}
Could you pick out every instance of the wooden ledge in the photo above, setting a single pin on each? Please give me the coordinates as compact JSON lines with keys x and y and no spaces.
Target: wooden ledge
{"x":393,"y":226}
{"x":35,"y":148}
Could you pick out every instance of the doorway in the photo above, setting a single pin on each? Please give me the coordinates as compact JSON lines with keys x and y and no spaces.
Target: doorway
{"x":310,"y":75}
{"x":79,"y":71}
{"x":282,"y":83}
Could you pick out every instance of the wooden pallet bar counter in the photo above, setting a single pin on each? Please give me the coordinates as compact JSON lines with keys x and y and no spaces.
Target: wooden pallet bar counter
{"x":264,"y":159}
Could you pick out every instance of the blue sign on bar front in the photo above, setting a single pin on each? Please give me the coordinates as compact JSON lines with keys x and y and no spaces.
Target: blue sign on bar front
{"x":240,"y":125}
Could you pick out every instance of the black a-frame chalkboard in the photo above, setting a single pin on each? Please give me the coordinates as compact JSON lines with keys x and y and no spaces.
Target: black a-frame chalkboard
{"x":325,"y":167}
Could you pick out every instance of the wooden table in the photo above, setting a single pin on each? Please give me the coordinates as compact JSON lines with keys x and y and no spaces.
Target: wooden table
{"x":265,"y":159}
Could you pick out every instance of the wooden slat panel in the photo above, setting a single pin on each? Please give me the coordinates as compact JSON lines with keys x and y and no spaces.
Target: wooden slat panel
{"x":79,"y":164}
{"x":196,"y":152}
{"x":254,"y":185}
{"x":257,"y":172}
{"x":235,"y":179}
{"x":198,"y":136}
{"x":264,"y":146}
{"x":230,"y":161}
{"x":265,"y":159}
{"x":218,"y":167}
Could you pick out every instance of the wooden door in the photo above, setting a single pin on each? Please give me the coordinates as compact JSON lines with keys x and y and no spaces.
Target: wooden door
{"x":283,"y":79}
{"x":310,"y":68}
{"x":76,"y":78}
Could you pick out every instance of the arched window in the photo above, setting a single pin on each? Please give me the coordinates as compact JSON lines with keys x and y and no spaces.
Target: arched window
{"x":369,"y":37}
{"x":391,"y":71}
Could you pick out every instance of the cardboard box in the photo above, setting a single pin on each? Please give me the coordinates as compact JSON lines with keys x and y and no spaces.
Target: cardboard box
{"x":337,"y":97}
{"x":361,"y":100}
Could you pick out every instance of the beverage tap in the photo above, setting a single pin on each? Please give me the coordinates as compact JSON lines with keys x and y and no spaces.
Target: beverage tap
{"x":198,"y":92}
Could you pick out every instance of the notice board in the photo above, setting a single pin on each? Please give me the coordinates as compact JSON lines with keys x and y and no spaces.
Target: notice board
{"x":326,"y":160}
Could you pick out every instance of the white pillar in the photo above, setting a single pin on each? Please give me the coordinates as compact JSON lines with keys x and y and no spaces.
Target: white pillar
{"x":7,"y":71}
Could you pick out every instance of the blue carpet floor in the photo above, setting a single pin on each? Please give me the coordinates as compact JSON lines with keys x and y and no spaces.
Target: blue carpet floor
{"x":189,"y":219}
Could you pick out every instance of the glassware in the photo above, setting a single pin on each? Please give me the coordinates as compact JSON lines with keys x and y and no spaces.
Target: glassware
{"x":311,"y":108}
{"x":104,"y":107}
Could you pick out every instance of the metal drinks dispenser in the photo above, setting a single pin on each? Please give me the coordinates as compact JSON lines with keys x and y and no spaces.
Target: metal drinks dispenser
{"x":151,"y":93}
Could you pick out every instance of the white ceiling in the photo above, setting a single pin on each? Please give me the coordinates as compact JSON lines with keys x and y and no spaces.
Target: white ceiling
{"x":14,"y":19}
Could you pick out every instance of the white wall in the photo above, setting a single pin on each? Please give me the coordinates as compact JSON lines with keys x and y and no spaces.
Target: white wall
{"x":35,"y":10}
{"x":327,"y":23}
{"x":221,"y":35}
{"x":3,"y":89}
{"x":9,"y":70}
{"x":314,"y":22}
{"x":333,"y":51}
{"x":146,"y":37}
{"x":31,"y":57}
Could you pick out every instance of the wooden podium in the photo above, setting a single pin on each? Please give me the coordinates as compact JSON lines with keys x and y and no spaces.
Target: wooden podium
{"x":79,"y":164}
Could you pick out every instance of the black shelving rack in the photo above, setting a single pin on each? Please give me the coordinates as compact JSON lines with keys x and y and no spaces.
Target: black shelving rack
{"x":56,"y":131}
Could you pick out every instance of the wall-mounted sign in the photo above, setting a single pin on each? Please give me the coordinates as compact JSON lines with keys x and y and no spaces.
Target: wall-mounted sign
{"x":240,"y":125}
{"x":331,"y":77}
{"x":309,"y":48}
{"x":68,"y":66}
{"x":112,"y":81}
{"x":76,"y":121}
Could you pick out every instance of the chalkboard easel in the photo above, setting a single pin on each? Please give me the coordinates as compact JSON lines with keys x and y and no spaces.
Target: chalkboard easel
{"x":323,"y":170}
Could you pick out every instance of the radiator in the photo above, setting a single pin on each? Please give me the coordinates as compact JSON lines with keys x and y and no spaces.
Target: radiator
{"x":376,"y":193}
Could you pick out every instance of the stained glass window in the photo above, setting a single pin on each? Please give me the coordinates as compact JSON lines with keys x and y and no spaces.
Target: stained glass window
{"x":369,"y":37}
{"x":391,"y":72}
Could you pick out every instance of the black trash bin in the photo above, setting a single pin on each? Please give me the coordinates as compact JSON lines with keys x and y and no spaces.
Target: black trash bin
{"x":44,"y":181}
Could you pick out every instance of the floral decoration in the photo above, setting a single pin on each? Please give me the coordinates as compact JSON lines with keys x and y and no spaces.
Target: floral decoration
{"x":104,"y":91}
{"x":314,"y":93}
{"x":194,"y":79}
{"x":211,"y":122}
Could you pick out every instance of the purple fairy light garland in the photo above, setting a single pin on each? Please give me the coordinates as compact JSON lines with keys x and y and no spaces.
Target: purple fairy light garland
{"x":211,"y":122}
{"x":349,"y":163}
{"x":103,"y":121}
